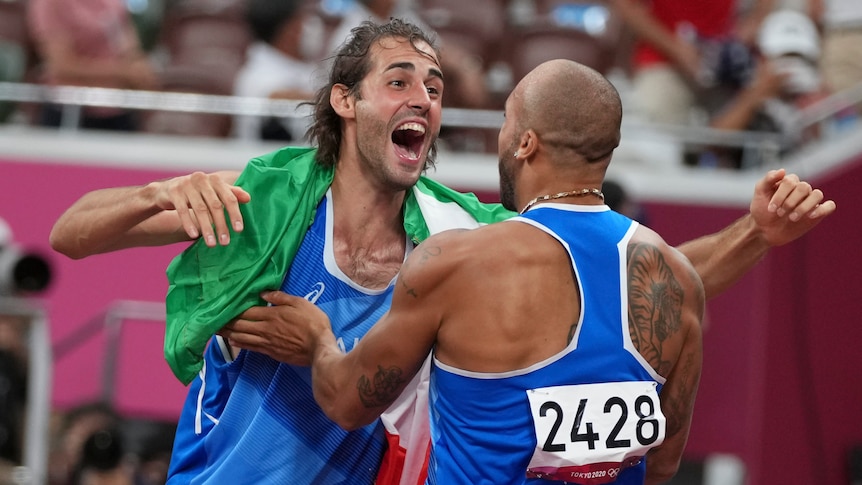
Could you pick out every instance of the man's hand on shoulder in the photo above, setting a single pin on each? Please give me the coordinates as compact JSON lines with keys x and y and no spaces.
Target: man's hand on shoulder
{"x":206,"y":196}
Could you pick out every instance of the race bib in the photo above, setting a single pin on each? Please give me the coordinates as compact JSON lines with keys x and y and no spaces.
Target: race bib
{"x":588,"y":433}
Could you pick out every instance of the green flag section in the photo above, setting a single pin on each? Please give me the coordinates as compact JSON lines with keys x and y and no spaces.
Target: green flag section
{"x":209,"y":286}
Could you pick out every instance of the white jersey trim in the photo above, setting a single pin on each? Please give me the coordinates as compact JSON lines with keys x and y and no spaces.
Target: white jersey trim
{"x":572,"y":207}
{"x":628,"y":345}
{"x":199,"y":408}
{"x":224,"y":349}
{"x":329,"y":254}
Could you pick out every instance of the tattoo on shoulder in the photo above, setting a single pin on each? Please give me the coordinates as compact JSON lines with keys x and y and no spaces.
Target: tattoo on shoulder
{"x":429,"y":252}
{"x":425,"y":253}
{"x":655,"y":303}
{"x":382,"y":388}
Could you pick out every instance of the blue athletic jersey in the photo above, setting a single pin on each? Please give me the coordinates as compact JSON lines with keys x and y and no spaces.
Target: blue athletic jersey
{"x":586,"y":415}
{"x":254,"y":420}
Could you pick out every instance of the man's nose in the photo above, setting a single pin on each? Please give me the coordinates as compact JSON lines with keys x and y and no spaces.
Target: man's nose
{"x":419,"y":98}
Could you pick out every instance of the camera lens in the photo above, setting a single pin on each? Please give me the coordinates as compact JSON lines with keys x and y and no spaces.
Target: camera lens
{"x":102,"y":450}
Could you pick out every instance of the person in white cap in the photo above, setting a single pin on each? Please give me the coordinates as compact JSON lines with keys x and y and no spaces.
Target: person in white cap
{"x":786,"y":79}
{"x":790,"y":42}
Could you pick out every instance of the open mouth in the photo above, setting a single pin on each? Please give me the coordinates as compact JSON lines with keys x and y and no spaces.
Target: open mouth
{"x":408,"y":139}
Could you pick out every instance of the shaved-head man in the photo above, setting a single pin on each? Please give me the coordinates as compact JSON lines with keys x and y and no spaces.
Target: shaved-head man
{"x":572,"y":352}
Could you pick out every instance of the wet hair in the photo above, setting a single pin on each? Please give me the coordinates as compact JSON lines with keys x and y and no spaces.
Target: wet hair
{"x":350,"y":64}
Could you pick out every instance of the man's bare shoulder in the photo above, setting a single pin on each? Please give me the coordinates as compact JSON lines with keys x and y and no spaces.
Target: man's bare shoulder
{"x":446,"y":255}
{"x":441,"y":250}
{"x":646,"y":241}
{"x":471,"y":240}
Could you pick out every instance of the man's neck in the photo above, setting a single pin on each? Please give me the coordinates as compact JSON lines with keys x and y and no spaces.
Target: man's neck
{"x":360,"y":203}
{"x":369,"y":237}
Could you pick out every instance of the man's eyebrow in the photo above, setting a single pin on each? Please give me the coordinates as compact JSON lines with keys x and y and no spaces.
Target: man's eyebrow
{"x":436,"y":73}
{"x":409,"y":66}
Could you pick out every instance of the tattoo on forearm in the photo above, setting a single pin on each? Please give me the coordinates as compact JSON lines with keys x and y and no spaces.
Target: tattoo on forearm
{"x":655,"y":303}
{"x":382,"y":388}
{"x":678,"y":406}
{"x":404,"y":277}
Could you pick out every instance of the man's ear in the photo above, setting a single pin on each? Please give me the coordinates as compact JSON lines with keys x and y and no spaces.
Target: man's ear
{"x":342,"y":101}
{"x":528,"y":145}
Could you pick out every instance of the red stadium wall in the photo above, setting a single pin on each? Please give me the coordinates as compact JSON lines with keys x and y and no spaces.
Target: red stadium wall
{"x":781,"y":386}
{"x":32,"y":197}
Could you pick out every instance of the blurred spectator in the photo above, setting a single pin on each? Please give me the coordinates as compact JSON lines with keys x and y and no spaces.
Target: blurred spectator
{"x":619,"y":200}
{"x":280,"y":64}
{"x":73,"y":455}
{"x":154,"y":453}
{"x":94,"y":445}
{"x":465,"y":77}
{"x":90,"y":43}
{"x":13,"y":388}
{"x":103,"y":460}
{"x":786,"y":80}
{"x":685,"y":50}
{"x":16,"y":53}
{"x":841,"y":22}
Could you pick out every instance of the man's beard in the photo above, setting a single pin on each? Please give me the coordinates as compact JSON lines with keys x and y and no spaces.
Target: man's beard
{"x":507,"y":180}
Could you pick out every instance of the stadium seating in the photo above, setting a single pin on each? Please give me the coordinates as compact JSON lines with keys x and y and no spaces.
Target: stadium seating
{"x":13,"y":21}
{"x":205,"y":44}
{"x":191,"y":78}
{"x":477,"y":25}
{"x":587,"y":32}
{"x":218,"y":40}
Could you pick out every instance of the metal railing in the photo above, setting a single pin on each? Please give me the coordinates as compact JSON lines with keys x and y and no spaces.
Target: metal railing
{"x":34,"y":469}
{"x":40,"y":357}
{"x":754,"y":145}
{"x":110,"y":323}
{"x":73,"y":98}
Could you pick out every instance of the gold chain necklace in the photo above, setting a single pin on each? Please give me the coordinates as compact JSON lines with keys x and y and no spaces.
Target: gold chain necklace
{"x":574,"y":193}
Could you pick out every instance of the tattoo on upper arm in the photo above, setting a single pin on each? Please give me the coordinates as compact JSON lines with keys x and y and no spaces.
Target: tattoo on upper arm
{"x":655,"y":303}
{"x":382,"y":388}
{"x":409,"y":289}
{"x":424,"y":255}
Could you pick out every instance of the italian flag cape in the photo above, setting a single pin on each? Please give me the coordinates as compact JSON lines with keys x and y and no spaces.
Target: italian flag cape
{"x":210,"y":286}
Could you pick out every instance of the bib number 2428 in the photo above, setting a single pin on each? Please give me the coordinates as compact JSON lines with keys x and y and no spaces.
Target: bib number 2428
{"x":594,"y":423}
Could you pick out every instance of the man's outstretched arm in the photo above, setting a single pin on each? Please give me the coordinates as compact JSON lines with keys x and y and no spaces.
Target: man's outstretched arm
{"x":782,"y":209}
{"x":123,"y":217}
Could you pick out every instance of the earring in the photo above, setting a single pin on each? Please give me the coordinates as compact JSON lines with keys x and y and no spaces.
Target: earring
{"x":516,"y":154}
